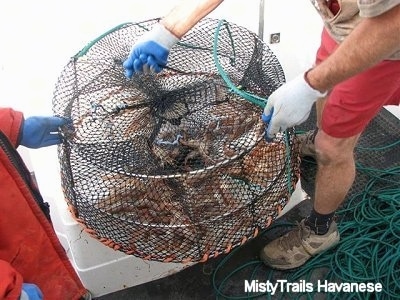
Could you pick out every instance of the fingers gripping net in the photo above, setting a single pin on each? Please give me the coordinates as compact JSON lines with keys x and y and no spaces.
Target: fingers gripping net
{"x":173,"y":166}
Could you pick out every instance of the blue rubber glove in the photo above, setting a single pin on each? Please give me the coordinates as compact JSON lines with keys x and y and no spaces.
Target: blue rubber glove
{"x":31,"y":291}
{"x":150,"y":52}
{"x":40,"y":132}
{"x":267,"y":119}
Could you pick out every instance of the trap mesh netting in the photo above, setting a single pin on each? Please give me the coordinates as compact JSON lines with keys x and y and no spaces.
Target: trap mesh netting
{"x":174,"y":166}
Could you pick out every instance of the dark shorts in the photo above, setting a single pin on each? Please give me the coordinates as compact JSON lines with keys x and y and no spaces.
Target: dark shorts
{"x":354,"y":102}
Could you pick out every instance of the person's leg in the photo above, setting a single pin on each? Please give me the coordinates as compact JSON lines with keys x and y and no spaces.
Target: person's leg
{"x":318,"y":232}
{"x":348,"y":110}
{"x":336,"y":171}
{"x":319,"y":107}
{"x":335,"y":175}
{"x":306,"y":140}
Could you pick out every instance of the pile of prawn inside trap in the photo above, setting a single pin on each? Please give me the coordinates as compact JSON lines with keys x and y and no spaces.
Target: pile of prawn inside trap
{"x":172,"y":166}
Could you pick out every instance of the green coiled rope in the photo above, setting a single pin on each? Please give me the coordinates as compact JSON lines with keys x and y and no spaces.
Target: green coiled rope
{"x":369,"y":250}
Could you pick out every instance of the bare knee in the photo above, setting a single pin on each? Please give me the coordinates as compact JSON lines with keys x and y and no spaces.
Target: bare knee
{"x":331,"y":150}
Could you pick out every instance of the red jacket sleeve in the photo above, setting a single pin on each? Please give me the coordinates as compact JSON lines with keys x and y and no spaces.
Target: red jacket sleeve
{"x":11,"y":123}
{"x":10,"y":282}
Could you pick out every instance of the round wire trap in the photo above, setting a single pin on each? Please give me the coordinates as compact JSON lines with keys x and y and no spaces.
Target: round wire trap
{"x":174,"y":166}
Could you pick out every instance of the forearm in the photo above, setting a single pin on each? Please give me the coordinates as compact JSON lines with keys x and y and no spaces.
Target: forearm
{"x":371,"y":41}
{"x":184,"y":16}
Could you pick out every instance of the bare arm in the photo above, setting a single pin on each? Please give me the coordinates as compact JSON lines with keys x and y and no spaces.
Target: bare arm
{"x":184,"y":16}
{"x":371,"y":41}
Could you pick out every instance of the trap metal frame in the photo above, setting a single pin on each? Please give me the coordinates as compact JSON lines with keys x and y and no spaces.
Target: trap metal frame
{"x":173,"y":166}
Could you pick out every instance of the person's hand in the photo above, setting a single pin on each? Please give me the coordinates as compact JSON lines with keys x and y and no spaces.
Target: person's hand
{"x":150,"y":53}
{"x":40,"y":132}
{"x":31,"y":291}
{"x":289,"y":105}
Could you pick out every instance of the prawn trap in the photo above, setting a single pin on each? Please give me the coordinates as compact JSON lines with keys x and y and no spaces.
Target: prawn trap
{"x":174,"y":166}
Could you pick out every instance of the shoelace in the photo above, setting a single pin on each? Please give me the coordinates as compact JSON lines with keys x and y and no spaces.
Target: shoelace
{"x":294,"y":238}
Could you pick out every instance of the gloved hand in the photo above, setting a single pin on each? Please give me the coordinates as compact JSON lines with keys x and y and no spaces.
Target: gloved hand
{"x":289,"y":105}
{"x":40,"y":132}
{"x":31,"y":291}
{"x":150,"y":53}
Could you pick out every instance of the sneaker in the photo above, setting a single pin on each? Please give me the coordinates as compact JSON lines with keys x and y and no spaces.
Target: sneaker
{"x":306,"y":142}
{"x":297,"y":246}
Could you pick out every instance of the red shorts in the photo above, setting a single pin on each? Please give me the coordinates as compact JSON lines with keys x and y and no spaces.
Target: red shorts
{"x":354,"y":102}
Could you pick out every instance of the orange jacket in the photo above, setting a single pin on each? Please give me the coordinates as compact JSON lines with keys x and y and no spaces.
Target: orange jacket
{"x":29,"y":248}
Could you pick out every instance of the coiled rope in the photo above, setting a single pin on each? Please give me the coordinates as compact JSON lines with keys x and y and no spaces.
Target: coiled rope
{"x":369,"y":250}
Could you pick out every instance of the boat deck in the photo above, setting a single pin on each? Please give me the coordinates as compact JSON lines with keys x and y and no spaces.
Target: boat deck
{"x":378,"y":148}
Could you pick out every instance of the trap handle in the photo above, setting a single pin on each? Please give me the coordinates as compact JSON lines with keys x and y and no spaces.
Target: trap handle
{"x":259,"y":101}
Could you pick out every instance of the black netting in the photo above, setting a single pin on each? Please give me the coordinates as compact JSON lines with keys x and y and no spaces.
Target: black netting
{"x":174,"y":166}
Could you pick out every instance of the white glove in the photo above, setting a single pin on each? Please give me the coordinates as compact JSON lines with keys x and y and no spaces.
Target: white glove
{"x":290,"y":105}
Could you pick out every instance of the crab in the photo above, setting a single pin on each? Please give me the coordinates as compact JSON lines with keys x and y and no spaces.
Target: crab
{"x":165,"y":146}
{"x":199,"y":148}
